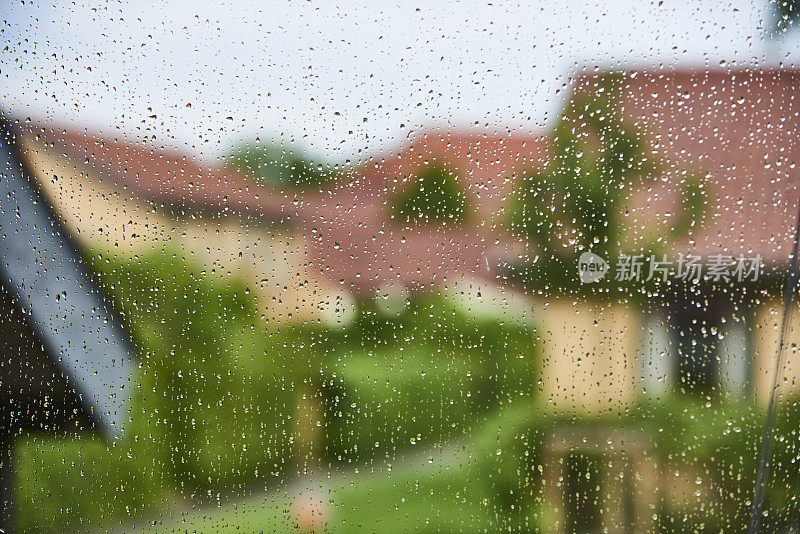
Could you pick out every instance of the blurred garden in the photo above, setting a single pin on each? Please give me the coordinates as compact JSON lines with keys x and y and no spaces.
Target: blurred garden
{"x":423,"y":419}
{"x":420,"y":415}
{"x":221,"y":405}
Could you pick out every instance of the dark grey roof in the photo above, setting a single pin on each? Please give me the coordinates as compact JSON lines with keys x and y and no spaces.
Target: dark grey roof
{"x":42,"y":270}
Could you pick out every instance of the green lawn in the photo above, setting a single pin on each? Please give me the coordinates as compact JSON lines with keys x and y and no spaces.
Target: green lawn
{"x":460,"y":488}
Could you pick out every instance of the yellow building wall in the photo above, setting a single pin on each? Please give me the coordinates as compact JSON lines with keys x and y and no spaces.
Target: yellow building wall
{"x":271,"y":260}
{"x":765,"y":338}
{"x":592,"y":355}
{"x":95,"y":214}
{"x":589,"y":354}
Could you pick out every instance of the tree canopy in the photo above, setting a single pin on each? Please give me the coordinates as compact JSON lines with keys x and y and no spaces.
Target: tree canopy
{"x":434,"y":196}
{"x":787,"y":13}
{"x":575,"y":203}
{"x":279,"y":166}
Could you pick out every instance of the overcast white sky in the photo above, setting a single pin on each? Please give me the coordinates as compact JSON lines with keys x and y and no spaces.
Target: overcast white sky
{"x":344,"y":81}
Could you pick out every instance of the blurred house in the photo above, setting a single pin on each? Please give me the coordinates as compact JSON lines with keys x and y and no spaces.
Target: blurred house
{"x":313,"y":253}
{"x":739,"y":129}
{"x":129,"y":199}
{"x":365,"y":246}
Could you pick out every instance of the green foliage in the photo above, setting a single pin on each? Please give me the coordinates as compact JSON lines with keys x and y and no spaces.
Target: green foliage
{"x":486,"y":484}
{"x":694,"y":206}
{"x":492,"y":481}
{"x":437,"y":373}
{"x":786,"y":14}
{"x":576,"y":203}
{"x":68,"y":484}
{"x":278,"y":166}
{"x":215,"y":400}
{"x":380,"y":402}
{"x":211,"y":411}
{"x":201,"y":343}
{"x":435,"y":196}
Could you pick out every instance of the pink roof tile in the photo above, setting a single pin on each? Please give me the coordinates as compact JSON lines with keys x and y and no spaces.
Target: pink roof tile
{"x":740,"y":127}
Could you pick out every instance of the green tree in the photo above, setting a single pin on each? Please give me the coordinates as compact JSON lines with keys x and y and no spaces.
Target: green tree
{"x":279,"y":166}
{"x":435,"y":196}
{"x":200,"y":339}
{"x":787,"y":13}
{"x":575,"y":203}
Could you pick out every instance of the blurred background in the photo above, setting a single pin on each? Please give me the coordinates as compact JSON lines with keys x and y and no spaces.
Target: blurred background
{"x":347,"y":243}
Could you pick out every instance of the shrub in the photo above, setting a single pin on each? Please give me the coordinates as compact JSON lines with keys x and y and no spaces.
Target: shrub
{"x":384,"y":401}
{"x":212,"y":408}
{"x":64,"y":484}
{"x":437,"y":373}
{"x":215,"y":389}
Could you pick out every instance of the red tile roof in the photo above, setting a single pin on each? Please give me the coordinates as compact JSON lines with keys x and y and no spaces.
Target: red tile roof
{"x":740,"y":127}
{"x":355,"y":241}
{"x":164,"y":175}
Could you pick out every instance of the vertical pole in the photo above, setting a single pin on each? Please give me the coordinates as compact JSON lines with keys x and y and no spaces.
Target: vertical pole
{"x":6,"y":484}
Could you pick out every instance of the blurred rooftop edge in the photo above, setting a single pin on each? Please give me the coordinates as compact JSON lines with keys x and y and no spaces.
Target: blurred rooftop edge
{"x":313,"y":253}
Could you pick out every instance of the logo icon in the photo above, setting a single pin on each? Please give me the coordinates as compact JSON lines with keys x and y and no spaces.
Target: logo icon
{"x":591,"y":267}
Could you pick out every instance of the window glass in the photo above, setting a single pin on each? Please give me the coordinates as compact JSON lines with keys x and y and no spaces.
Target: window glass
{"x":397,"y":267}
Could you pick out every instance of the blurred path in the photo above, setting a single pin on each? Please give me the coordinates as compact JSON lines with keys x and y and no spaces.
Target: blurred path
{"x":306,"y":500}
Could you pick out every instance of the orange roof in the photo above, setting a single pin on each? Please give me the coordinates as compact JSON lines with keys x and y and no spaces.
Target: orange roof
{"x":164,"y":175}
{"x":739,"y":127}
